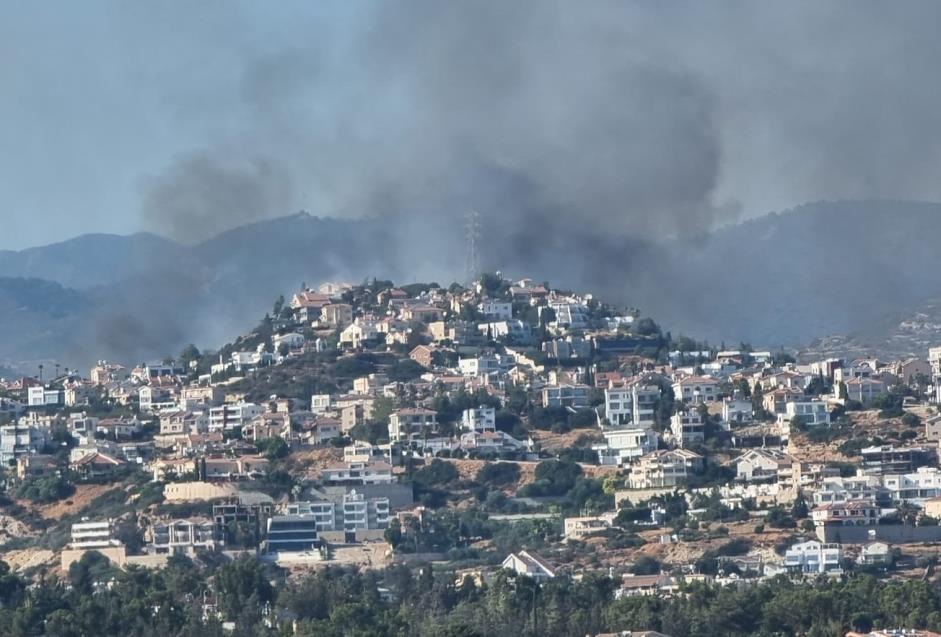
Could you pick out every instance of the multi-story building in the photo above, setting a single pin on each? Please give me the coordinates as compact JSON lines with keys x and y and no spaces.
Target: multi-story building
{"x":152,"y":399}
{"x":93,"y":535}
{"x":569,"y":347}
{"x":934,"y":359}
{"x":580,"y":528}
{"x":349,"y":514}
{"x":44,"y":397}
{"x":631,"y":404}
{"x":479,"y":419}
{"x":291,"y":534}
{"x":228,"y":417}
{"x":814,"y":558}
{"x":687,"y":427}
{"x":182,"y":537}
{"x":844,"y":489}
{"x":664,"y":468}
{"x":200,"y":397}
{"x":757,"y":466}
{"x":481,"y":365}
{"x":810,"y":412}
{"x":320,"y":403}
{"x":694,"y":389}
{"x":496,"y":310}
{"x":570,"y":315}
{"x":885,"y":459}
{"x":19,"y":438}
{"x":851,"y":513}
{"x":863,"y":389}
{"x":337,"y":315}
{"x":405,"y":423}
{"x":624,"y":444}
{"x":737,"y":410}
{"x":576,"y":396}
{"x":358,"y":473}
{"x":923,"y":484}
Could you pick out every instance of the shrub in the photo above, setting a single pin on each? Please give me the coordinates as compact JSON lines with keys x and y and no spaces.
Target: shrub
{"x":497,"y":474}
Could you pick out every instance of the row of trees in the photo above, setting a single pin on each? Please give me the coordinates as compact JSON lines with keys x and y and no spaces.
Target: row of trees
{"x":186,"y":599}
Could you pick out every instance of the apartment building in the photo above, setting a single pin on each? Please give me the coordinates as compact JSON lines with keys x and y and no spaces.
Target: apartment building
{"x":631,"y":404}
{"x":664,"y":468}
{"x":688,"y":428}
{"x":184,"y":536}
{"x":412,"y":421}
{"x":577,"y":396}
{"x":814,"y":558}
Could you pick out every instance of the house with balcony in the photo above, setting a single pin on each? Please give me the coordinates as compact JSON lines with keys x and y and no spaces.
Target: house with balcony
{"x":812,"y":413}
{"x":814,"y":558}
{"x":631,"y":404}
{"x":622,"y":445}
{"x":763,"y":466}
{"x":184,"y":536}
{"x":687,"y":428}
{"x":576,"y":396}
{"x":696,"y":389}
{"x":850,"y":513}
{"x":863,"y":389}
{"x":412,"y":421}
{"x":664,"y":468}
{"x":358,"y":473}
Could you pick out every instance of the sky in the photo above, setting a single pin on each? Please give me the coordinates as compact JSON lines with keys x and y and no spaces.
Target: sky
{"x":649,"y":118}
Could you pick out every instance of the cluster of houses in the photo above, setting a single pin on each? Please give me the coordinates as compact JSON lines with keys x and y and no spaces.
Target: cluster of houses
{"x":572,"y":357}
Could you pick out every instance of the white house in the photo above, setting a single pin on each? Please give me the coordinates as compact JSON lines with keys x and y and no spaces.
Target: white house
{"x":687,"y":427}
{"x":566,"y":395}
{"x":359,"y":332}
{"x":291,"y":340}
{"x":814,"y":557}
{"x":529,"y":564}
{"x":923,"y":484}
{"x":622,"y":445}
{"x":481,"y":365}
{"x":811,"y":412}
{"x":232,"y":416}
{"x":863,"y":389}
{"x":737,"y":410}
{"x":479,"y":419}
{"x":496,"y":310}
{"x":411,"y":421}
{"x":632,"y":404}
{"x":696,"y":389}
{"x":664,"y":468}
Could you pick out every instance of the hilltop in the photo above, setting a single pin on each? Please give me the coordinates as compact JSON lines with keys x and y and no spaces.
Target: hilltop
{"x":842,"y":270}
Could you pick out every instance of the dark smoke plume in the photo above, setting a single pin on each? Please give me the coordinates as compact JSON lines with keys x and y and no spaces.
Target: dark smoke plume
{"x":530,"y":113}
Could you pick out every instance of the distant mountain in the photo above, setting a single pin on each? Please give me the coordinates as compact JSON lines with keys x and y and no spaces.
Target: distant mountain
{"x":828,"y":268}
{"x":139,"y":297}
{"x":91,"y":259}
{"x":784,"y":279}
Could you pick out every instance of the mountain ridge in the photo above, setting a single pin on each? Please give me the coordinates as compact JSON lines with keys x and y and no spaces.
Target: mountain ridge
{"x":847,"y":266}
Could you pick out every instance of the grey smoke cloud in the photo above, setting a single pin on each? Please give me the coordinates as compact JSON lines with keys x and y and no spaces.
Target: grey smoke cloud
{"x":521,"y":110}
{"x":645,"y":120}
{"x":662,"y":118}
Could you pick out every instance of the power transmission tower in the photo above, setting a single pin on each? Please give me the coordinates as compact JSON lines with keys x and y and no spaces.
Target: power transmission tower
{"x":472,"y":241}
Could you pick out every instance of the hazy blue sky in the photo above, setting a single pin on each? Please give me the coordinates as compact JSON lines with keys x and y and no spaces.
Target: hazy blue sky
{"x":189,"y":117}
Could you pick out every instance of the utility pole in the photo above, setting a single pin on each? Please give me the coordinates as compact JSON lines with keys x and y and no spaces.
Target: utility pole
{"x":472,"y":244}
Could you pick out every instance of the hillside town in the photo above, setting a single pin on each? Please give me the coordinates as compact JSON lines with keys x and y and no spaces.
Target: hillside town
{"x":498,"y":430}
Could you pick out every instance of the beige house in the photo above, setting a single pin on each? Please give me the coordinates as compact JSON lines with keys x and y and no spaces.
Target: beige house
{"x":664,"y":468}
{"x":579,"y":528}
{"x":337,"y":315}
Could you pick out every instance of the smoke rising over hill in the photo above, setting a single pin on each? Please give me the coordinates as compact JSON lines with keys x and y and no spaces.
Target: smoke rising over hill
{"x":643,"y":120}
